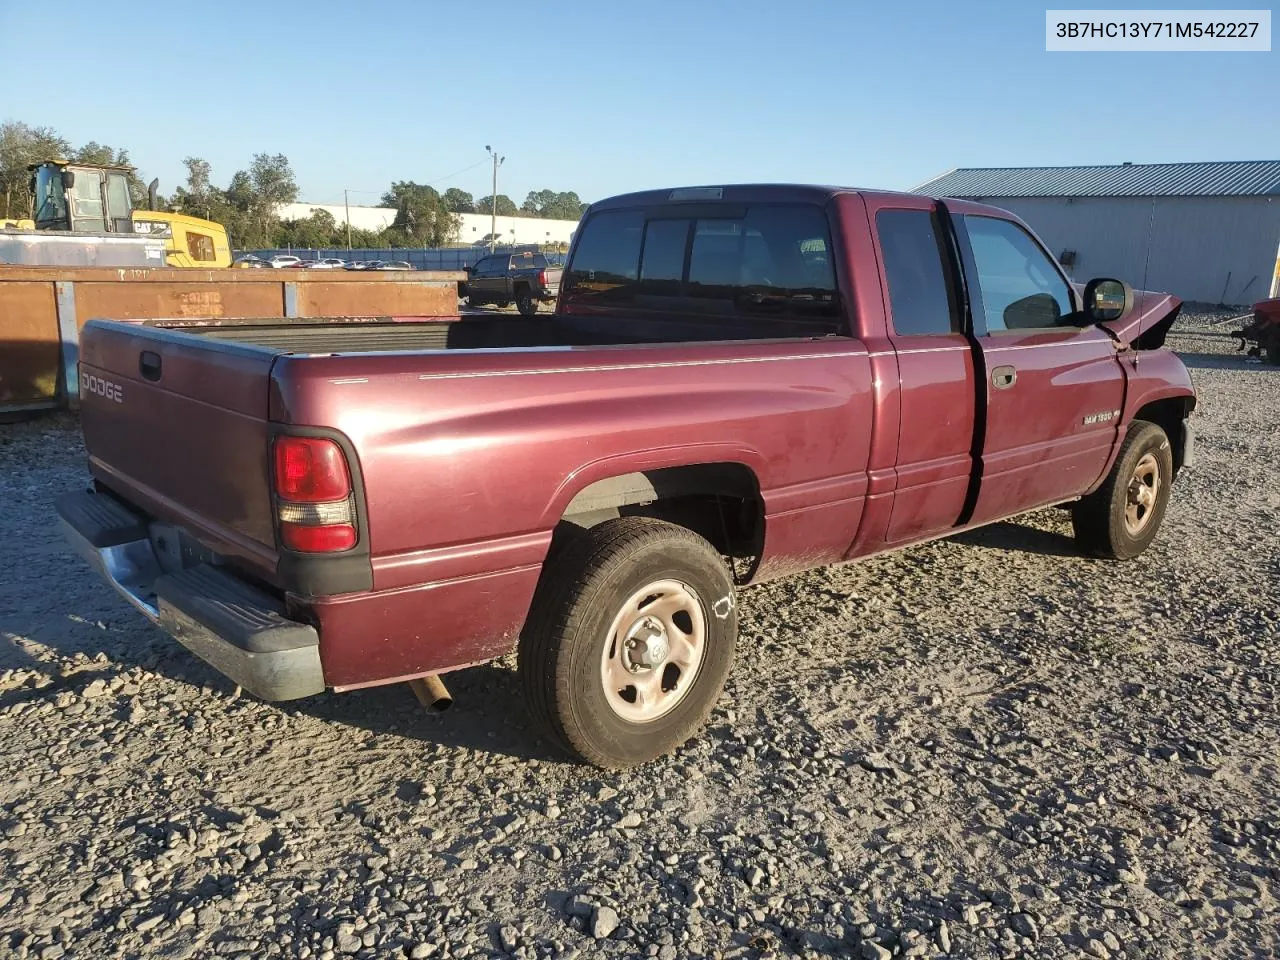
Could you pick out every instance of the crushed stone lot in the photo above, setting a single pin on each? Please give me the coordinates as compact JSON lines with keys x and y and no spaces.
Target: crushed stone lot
{"x":988,"y":746}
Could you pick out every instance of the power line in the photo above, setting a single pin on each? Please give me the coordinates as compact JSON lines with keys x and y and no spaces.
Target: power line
{"x":458,"y":173}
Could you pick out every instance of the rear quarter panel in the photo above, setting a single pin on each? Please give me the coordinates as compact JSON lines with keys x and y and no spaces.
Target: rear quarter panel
{"x":470,"y":459}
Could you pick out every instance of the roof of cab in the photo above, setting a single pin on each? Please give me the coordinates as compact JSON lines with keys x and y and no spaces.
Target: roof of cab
{"x":725,"y":193}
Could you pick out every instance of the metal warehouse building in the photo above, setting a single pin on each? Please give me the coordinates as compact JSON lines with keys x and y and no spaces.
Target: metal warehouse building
{"x":1208,"y":232}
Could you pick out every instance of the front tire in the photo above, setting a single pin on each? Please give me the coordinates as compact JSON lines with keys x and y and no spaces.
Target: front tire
{"x":1119,"y":520}
{"x":629,"y":641}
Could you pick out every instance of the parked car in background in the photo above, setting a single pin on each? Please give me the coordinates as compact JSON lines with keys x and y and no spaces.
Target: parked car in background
{"x":282,"y":261}
{"x":250,"y":262}
{"x":327,"y":263}
{"x":392,"y":265}
{"x":526,"y":279}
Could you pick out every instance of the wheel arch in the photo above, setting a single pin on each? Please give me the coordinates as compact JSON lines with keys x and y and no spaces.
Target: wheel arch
{"x":720,"y":500}
{"x":1168,"y":413}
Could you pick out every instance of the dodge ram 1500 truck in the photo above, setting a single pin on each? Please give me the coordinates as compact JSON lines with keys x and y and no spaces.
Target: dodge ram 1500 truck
{"x":738,"y":383}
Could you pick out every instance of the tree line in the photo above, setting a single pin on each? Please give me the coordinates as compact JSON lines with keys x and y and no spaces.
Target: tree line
{"x":248,"y":206}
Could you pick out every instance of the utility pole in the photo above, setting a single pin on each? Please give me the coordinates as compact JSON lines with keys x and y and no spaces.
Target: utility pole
{"x":493,"y":223}
{"x":346,"y":202}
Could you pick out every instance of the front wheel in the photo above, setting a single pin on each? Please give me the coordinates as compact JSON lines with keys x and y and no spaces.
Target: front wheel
{"x":1121,"y":518}
{"x":629,"y":641}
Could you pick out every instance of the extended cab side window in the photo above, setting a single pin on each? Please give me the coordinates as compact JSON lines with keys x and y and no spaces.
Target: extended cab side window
{"x":1020,"y":286}
{"x":921,"y":298}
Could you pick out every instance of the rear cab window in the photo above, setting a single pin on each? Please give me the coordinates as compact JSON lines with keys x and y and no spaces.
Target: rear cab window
{"x":769,"y":259}
{"x":528,"y":261}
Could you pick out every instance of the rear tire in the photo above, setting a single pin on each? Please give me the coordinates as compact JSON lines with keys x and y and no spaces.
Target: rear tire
{"x":629,"y":641}
{"x":526,"y":304}
{"x":1119,"y":520}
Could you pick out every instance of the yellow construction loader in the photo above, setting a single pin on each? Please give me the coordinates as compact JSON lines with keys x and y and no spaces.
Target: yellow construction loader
{"x":94,"y":201}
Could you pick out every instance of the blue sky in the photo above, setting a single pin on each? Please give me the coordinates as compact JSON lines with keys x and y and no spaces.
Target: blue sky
{"x":603,"y":98}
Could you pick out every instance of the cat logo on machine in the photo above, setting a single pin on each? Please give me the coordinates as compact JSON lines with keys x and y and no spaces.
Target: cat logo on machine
{"x":1101,"y":417}
{"x":103,"y":388}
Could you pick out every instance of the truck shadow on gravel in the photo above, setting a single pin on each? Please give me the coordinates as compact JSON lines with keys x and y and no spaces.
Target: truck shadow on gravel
{"x":1016,"y":536}
{"x":488,"y":714}
{"x":1224,"y":361}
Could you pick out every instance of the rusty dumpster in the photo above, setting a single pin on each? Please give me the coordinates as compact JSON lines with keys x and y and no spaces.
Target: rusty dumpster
{"x":42,"y":309}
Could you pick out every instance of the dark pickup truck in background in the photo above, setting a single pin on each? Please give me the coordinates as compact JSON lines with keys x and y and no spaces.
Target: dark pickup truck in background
{"x":525,"y":279}
{"x":737,"y":383}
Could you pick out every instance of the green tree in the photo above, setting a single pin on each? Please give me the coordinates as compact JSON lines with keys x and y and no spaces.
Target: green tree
{"x":458,"y":201}
{"x":552,"y":205}
{"x":506,"y":206}
{"x":20,"y":145}
{"x":198,"y":197}
{"x":253,"y":199}
{"x":422,"y":216}
{"x":316,"y":231}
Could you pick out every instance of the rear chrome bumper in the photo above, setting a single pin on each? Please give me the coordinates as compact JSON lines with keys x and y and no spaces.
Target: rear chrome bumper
{"x":237,"y":629}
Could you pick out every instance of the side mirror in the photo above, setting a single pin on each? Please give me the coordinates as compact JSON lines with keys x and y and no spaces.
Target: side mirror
{"x":68,"y":179}
{"x":1106,"y":299}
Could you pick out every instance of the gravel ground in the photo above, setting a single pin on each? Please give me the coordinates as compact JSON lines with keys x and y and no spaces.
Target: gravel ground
{"x":983,"y":747}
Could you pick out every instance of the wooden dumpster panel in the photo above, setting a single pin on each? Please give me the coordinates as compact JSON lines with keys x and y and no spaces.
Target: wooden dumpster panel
{"x":347,"y":298}
{"x":149,"y":301}
{"x":28,"y":342}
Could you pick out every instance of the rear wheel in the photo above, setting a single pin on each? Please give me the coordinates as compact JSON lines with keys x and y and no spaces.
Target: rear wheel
{"x":1121,"y":518}
{"x":526,"y":304}
{"x":629,"y":641}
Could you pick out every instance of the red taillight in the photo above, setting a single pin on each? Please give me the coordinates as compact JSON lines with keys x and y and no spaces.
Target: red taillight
{"x":311,"y":470}
{"x":542,"y":278}
{"x":315,"y":508}
{"x":308,"y":539}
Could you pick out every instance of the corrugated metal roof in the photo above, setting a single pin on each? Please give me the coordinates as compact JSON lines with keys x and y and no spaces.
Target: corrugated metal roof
{"x":1238,"y":178}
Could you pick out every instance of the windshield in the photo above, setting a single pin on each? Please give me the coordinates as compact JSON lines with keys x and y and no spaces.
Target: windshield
{"x":50,"y":198}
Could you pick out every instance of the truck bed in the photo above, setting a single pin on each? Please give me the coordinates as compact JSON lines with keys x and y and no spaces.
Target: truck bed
{"x":345,"y":335}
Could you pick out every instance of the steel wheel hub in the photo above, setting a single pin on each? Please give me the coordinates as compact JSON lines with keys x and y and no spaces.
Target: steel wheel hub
{"x":1144,"y":488}
{"x":653,"y":650}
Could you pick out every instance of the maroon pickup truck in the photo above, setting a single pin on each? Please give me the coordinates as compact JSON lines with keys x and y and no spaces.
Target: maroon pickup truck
{"x":737,"y":383}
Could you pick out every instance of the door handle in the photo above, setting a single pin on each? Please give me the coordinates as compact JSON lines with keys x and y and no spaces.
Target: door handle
{"x":1002,"y":378}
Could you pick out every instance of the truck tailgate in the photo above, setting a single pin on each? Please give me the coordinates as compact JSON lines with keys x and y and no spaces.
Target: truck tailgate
{"x":176,"y":424}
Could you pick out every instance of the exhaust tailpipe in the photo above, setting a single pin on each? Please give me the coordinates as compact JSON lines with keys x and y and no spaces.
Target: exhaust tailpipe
{"x":432,"y":693}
